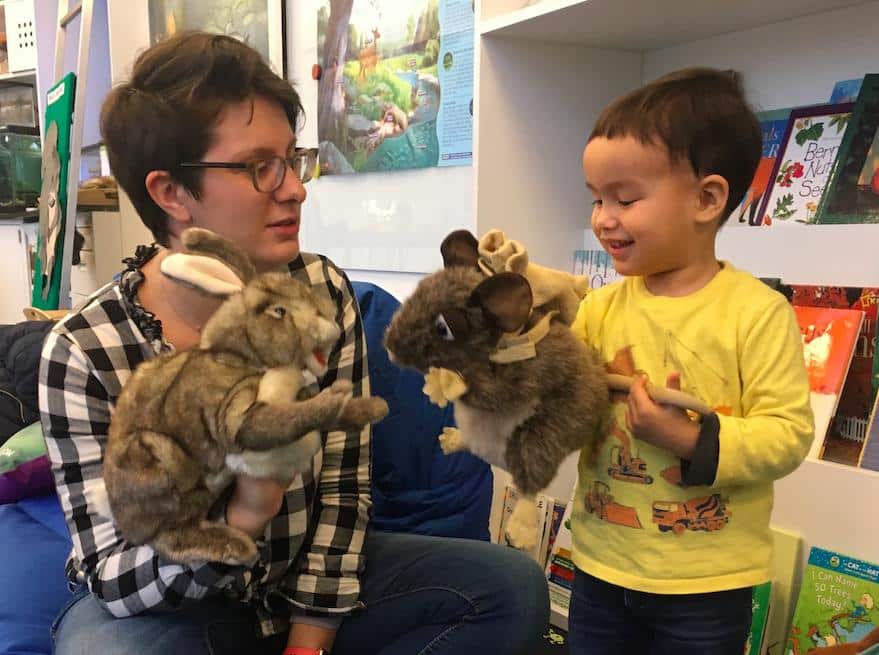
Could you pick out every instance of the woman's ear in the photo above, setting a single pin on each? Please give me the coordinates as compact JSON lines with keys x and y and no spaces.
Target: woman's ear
{"x":170,"y":196}
{"x":713,"y":195}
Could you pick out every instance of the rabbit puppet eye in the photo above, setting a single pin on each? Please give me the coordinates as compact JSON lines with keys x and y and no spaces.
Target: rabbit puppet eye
{"x":278,"y":311}
{"x":441,"y":328}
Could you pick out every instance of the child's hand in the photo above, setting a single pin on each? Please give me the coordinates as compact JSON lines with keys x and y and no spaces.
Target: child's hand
{"x":663,"y":426}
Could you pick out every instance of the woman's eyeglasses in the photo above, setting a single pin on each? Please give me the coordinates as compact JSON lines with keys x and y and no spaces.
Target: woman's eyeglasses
{"x":267,"y":173}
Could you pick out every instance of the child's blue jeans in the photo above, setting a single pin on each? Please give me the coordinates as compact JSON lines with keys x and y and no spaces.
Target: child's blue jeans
{"x":609,"y":620}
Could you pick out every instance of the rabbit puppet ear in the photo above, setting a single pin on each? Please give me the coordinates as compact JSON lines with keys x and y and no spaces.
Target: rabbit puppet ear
{"x":202,"y":272}
{"x":199,"y":241}
{"x":210,"y":264}
{"x":505,"y":299}
{"x":460,"y":248}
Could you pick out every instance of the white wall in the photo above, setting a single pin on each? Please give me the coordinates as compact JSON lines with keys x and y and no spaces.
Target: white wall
{"x":784,"y":65}
{"x":378,"y":226}
{"x":537,"y":103}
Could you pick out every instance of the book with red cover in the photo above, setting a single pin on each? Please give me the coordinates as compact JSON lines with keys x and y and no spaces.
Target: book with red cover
{"x":848,"y":429}
{"x":830,"y":336}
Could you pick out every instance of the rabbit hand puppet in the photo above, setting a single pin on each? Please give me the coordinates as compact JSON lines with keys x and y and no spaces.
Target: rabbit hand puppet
{"x":186,"y":423}
{"x":526,"y":392}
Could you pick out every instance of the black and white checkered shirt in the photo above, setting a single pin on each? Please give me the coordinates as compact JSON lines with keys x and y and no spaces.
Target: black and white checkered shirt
{"x":311,"y":552}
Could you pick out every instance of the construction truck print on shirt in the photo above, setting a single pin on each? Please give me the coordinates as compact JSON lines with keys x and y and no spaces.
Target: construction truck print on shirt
{"x":709,"y":513}
{"x":736,"y":346}
{"x":672,"y":515}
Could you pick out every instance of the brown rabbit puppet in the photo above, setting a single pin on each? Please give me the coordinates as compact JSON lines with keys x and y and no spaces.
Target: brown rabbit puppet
{"x":526,"y":391}
{"x":186,"y":423}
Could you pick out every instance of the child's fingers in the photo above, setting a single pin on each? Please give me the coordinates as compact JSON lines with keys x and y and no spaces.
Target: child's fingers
{"x":638,"y":396}
{"x":673,"y":381}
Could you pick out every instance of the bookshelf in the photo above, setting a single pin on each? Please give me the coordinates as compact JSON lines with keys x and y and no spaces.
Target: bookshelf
{"x":546,"y":70}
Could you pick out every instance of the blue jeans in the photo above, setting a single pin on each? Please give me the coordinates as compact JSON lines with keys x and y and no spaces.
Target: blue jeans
{"x":609,"y":620}
{"x":423,"y":595}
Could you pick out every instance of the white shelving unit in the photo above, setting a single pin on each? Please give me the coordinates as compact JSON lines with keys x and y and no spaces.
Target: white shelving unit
{"x":546,"y":70}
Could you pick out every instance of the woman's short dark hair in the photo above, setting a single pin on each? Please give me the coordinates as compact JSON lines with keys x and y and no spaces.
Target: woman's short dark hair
{"x":164,"y":115}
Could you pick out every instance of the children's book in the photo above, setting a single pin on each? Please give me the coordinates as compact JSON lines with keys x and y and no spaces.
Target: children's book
{"x":760,"y":607}
{"x":846,"y":90}
{"x":836,"y":609}
{"x":560,"y":569}
{"x":829,"y":338}
{"x":852,"y":194}
{"x":597,"y":265}
{"x":805,"y":158}
{"x":772,"y":126}
{"x":553,"y":522}
{"x":847,"y":430}
{"x":870,"y":452}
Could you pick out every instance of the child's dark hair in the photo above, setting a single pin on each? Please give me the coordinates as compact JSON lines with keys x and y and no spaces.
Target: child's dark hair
{"x":166,"y":113}
{"x":699,"y":115}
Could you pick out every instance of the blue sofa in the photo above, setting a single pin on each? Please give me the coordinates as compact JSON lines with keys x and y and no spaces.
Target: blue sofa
{"x":415,"y":489}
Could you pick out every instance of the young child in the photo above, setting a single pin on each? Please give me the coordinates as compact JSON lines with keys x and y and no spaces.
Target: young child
{"x":671,"y":521}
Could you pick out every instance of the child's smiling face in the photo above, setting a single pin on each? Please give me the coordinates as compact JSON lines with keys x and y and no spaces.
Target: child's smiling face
{"x":646,"y":213}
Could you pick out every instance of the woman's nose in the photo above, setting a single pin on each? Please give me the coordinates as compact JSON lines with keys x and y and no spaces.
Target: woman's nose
{"x":291,"y":187}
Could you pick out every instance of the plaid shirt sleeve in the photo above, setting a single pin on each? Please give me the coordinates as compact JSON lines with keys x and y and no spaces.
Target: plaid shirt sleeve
{"x":326,"y":577}
{"x":83,"y":366}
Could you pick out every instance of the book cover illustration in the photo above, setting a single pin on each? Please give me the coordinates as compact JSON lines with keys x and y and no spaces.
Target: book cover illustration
{"x":836,"y":610}
{"x":772,"y":126}
{"x":853,"y":187}
{"x":597,"y":265}
{"x":848,"y":429}
{"x":560,"y":568}
{"x":808,"y":151}
{"x":829,"y":337}
{"x":869,"y":458}
{"x":760,"y":606}
{"x":846,"y":90}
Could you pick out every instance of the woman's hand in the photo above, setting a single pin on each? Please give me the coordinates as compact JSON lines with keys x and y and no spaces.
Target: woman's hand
{"x":254,"y":503}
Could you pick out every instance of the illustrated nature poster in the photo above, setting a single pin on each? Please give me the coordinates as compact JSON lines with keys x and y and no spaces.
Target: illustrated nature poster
{"x":836,"y":609}
{"x":853,"y":188}
{"x":259,"y":23}
{"x":396,"y":84}
{"x":829,"y":337}
{"x":808,"y":152}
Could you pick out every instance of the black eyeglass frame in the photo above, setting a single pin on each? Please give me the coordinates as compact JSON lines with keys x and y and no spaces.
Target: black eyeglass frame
{"x":309,"y":155}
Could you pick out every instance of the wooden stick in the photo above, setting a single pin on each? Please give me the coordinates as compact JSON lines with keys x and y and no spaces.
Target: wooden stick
{"x":662,"y":395}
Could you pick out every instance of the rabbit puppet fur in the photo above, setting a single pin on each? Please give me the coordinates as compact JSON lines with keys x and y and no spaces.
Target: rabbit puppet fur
{"x":522,"y":402}
{"x":186,"y":423}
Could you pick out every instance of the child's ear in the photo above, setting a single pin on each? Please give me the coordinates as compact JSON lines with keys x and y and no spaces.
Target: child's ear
{"x":713,"y":195}
{"x":169,"y":195}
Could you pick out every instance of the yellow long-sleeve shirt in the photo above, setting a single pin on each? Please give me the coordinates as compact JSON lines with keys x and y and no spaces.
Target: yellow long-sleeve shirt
{"x":737,"y":346}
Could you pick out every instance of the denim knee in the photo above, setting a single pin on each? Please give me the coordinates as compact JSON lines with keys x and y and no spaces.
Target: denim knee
{"x":524,"y":595}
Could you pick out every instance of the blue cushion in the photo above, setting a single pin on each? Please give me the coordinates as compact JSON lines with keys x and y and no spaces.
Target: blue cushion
{"x":415,"y":487}
{"x":34,"y":544}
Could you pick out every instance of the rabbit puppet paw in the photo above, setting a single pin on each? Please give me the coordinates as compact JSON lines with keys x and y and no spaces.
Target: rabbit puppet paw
{"x":452,"y":441}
